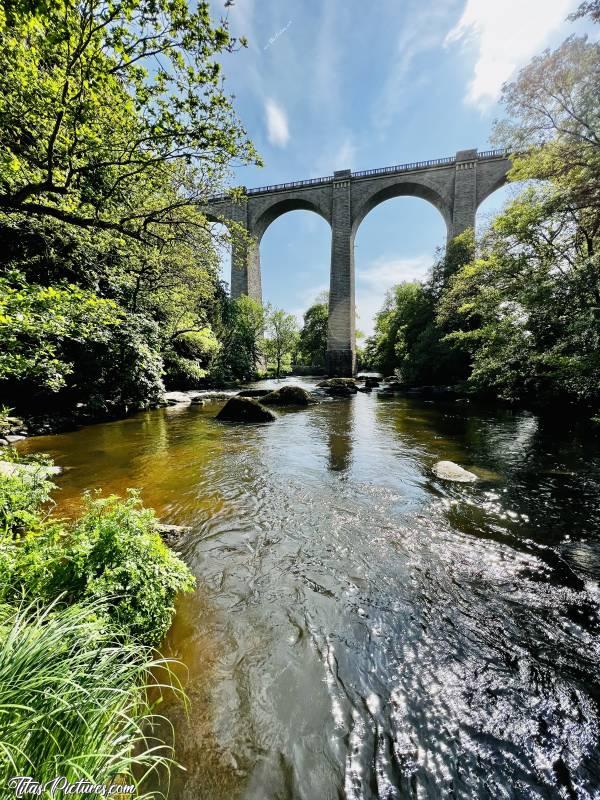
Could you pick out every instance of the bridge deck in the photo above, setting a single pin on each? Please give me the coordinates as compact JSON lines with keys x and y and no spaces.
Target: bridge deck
{"x":366,"y":173}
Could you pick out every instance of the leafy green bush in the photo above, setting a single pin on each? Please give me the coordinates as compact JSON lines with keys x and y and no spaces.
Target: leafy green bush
{"x":188,"y":357}
{"x":39,"y":323}
{"x":21,"y":498}
{"x":112,"y":552}
{"x":124,"y":372}
{"x":4,"y":419}
{"x":73,"y":702}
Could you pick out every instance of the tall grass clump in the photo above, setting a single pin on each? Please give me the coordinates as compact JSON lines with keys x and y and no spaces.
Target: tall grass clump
{"x":73,"y":702}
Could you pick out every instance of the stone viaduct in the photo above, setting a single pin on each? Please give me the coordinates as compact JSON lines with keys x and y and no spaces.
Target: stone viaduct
{"x":455,"y":186}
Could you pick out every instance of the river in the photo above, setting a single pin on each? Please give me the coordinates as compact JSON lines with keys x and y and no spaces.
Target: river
{"x":362,"y":629}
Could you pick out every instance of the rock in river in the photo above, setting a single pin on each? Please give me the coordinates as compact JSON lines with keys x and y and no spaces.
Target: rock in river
{"x":450,"y":471}
{"x":177,"y":398}
{"x":288,"y":396}
{"x":244,"y":409}
{"x":170,"y":534}
{"x":253,"y":392}
{"x":339,"y":387}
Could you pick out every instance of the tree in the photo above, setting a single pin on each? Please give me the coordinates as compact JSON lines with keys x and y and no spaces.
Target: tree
{"x":312,"y":343}
{"x":408,"y":338}
{"x":283,"y":337}
{"x":113,"y":113}
{"x":528,"y":306}
{"x":242,"y":326}
{"x":38,"y":327}
{"x":113,"y":128}
{"x":589,"y":8}
{"x":554,"y":128}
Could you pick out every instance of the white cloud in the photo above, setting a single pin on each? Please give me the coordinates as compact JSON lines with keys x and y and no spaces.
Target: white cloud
{"x":506,"y":35}
{"x":373,"y":281}
{"x":428,"y":23}
{"x":277,"y":124}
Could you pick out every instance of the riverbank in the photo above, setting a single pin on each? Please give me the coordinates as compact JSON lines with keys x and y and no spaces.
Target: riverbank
{"x":15,"y":428}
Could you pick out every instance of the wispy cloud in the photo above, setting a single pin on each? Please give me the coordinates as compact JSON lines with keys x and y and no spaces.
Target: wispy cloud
{"x":277,"y":124}
{"x":374,"y":280}
{"x":425,"y":32}
{"x":277,"y":34}
{"x":339,"y":153}
{"x":505,"y":36}
{"x":306,"y":298}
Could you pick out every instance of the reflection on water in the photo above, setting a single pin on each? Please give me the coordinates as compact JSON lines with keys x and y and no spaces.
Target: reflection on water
{"x":361,"y":629}
{"x":339,"y":437}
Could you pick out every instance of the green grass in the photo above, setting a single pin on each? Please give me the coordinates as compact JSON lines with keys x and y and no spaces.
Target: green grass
{"x":73,"y":702}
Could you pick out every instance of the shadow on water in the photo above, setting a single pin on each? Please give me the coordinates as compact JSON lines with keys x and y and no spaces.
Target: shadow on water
{"x":361,"y":629}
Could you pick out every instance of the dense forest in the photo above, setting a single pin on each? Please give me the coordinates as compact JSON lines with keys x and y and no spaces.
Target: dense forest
{"x":515,"y":313}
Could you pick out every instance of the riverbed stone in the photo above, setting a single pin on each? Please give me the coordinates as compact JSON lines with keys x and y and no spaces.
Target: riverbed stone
{"x":339,"y":387}
{"x":254,"y":392}
{"x":449,"y":471}
{"x":177,"y":398}
{"x":197,"y":400}
{"x":288,"y":396}
{"x":245,"y":409}
{"x":395,"y":386}
{"x":171,"y":534}
{"x":11,"y":438}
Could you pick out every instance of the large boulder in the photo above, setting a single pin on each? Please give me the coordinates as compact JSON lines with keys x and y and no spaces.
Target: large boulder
{"x":245,"y":409}
{"x":395,"y":386}
{"x":449,"y":471}
{"x":288,"y":396}
{"x":339,"y":387}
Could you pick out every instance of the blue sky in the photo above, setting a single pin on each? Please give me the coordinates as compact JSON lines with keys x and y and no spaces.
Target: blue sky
{"x":338,"y":84}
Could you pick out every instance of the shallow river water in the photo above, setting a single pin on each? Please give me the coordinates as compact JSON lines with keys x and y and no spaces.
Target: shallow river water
{"x":362,"y":629}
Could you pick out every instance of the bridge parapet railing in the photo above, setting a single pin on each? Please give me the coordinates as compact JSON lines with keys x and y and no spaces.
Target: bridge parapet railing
{"x":365,"y":173}
{"x":500,"y":152}
{"x":291,"y":185}
{"x":432,"y":162}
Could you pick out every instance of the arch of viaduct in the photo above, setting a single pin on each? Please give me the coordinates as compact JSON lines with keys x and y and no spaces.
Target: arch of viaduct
{"x":455,"y":186}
